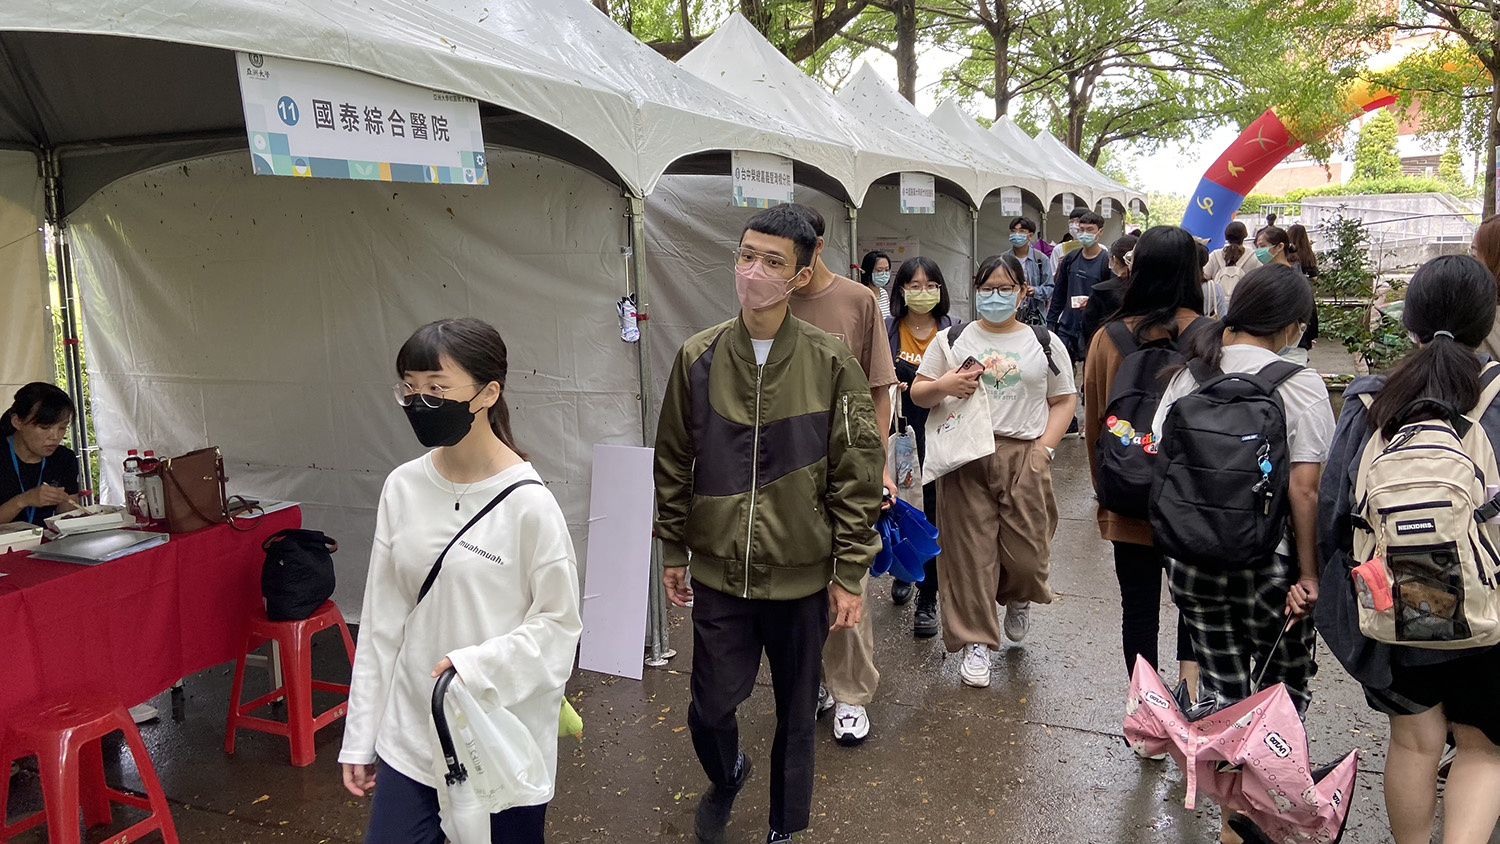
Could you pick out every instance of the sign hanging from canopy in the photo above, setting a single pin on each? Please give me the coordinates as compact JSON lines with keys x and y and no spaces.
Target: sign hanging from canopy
{"x":309,"y":119}
{"x":761,"y":179}
{"x":918,"y":193}
{"x":1010,"y":202}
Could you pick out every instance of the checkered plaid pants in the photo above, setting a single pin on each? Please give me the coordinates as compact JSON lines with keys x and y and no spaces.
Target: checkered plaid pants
{"x":1233,"y":617}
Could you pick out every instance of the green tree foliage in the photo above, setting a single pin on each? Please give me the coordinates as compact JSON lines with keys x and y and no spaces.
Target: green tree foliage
{"x":1375,"y":155}
{"x":1451,"y":165}
{"x":1350,"y":290}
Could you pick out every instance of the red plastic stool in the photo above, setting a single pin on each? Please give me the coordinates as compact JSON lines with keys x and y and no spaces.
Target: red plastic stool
{"x":65,"y":741}
{"x":295,"y":640}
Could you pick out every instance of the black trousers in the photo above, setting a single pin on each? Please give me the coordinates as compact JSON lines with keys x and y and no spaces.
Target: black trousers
{"x":729,"y":634}
{"x":1139,"y":569}
{"x":406,"y":812}
{"x":927,"y":587}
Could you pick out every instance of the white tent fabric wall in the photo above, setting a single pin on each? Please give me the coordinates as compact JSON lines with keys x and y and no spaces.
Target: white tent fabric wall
{"x":690,"y":230}
{"x":263,"y":315}
{"x":26,"y":342}
{"x":994,"y":224}
{"x":946,"y":237}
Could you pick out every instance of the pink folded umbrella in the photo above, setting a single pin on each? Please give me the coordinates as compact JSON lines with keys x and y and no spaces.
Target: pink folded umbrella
{"x":1251,"y":757}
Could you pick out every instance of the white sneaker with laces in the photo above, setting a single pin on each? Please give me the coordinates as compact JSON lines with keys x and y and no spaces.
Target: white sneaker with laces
{"x":976,"y":668}
{"x":851,"y":724}
{"x":1017,"y":620}
{"x":825,"y":700}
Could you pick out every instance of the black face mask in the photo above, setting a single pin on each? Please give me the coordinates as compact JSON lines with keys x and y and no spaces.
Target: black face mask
{"x":444,"y":425}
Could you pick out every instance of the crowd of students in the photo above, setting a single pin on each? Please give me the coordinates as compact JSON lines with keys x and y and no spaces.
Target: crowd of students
{"x":771,"y":475}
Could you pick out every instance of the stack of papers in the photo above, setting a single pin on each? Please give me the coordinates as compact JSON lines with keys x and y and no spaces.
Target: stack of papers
{"x":18,"y":536}
{"x":91,"y":549}
{"x":89,"y":518}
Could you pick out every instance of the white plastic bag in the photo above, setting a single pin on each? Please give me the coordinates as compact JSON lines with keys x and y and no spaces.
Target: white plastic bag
{"x":505,"y":765}
{"x":903,"y":464}
{"x":959,"y":431}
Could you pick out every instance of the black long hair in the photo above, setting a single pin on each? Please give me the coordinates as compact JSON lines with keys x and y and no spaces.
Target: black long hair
{"x":904,"y":275}
{"x":1123,"y":246}
{"x":1164,"y":278}
{"x":1012,"y":266}
{"x":1453,"y":294}
{"x":477,"y":348}
{"x":1267,"y":300}
{"x":1234,"y":242}
{"x":867,"y":266}
{"x":38,"y":403}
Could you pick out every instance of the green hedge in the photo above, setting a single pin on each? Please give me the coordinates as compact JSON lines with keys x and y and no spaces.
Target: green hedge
{"x":1400,"y":184}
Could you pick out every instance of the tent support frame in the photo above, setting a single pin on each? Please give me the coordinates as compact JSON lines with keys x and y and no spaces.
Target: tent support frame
{"x":974,"y":244}
{"x":854,"y":256}
{"x":51,"y":163}
{"x":656,"y":605}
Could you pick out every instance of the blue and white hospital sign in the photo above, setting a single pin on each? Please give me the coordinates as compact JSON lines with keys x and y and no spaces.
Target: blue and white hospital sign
{"x":308,"y":119}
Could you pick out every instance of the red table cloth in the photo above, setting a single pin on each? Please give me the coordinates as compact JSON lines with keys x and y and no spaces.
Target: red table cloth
{"x":132,"y":626}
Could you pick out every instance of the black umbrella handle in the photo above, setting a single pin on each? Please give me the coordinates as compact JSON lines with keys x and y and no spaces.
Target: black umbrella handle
{"x":456,"y":771}
{"x":1266,"y":662}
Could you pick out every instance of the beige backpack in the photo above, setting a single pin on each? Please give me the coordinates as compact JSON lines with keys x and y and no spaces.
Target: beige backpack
{"x":1425,"y":499}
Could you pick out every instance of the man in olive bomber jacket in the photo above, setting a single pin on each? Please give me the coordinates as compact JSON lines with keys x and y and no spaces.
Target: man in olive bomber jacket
{"x":768,"y":481}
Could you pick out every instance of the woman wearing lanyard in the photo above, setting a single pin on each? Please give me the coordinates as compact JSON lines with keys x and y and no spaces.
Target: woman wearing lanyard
{"x":38,"y":474}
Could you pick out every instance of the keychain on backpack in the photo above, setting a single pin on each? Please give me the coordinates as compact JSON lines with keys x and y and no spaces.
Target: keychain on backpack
{"x":1263,"y":486}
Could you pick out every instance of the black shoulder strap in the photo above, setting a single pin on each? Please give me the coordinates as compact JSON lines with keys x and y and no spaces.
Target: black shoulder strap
{"x":1488,"y":376}
{"x":1202,"y":371}
{"x":1044,"y":337}
{"x":483,"y":511}
{"x":1124,"y":339}
{"x":1278,"y":373}
{"x":954,"y":331}
{"x":1198,"y":324}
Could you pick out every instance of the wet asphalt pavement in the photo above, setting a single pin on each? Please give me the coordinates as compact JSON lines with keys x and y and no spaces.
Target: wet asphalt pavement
{"x":1036,"y":757}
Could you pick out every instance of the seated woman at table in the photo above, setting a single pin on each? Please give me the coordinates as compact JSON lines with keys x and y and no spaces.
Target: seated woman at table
{"x":502,"y":610}
{"x":38,"y":475}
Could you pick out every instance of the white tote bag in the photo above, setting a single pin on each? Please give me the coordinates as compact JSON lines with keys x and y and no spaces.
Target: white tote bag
{"x":959,"y":431}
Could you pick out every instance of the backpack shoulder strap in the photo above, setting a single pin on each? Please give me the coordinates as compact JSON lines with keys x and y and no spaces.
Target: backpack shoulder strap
{"x":1198,"y":324}
{"x":1044,"y":337}
{"x":955,"y":331}
{"x":1124,"y":340}
{"x":483,"y":511}
{"x":1202,"y":371}
{"x":1489,"y":389}
{"x":1278,"y":373}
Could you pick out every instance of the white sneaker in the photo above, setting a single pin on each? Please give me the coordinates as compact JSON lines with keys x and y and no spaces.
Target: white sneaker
{"x":976,"y":668}
{"x":850,"y":724}
{"x":1017,"y":620}
{"x":825,"y":700}
{"x":143,"y":713}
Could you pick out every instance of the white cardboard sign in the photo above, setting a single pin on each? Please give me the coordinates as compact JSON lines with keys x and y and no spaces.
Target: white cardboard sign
{"x":616,"y":594}
{"x":1010,"y":202}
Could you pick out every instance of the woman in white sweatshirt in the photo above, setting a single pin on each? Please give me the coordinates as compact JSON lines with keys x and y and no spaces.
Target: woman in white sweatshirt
{"x":502,"y":610}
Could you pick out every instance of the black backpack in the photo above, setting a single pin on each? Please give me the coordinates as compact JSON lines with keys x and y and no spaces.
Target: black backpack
{"x":297,"y":576}
{"x":1219,"y":499}
{"x":1043,"y":338}
{"x":1125,"y":451}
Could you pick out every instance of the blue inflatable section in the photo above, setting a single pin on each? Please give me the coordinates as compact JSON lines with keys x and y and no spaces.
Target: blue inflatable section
{"x":1211,"y":208}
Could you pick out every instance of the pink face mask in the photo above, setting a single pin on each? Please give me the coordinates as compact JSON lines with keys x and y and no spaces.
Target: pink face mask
{"x":759,"y":288}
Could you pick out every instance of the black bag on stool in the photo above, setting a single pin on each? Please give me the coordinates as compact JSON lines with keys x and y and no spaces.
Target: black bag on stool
{"x":297,"y":576}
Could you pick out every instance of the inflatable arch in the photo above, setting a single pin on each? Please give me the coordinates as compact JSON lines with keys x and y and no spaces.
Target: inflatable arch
{"x":1258,"y":149}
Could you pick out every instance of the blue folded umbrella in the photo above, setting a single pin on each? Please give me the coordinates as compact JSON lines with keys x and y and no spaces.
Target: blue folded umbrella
{"x":908,"y":541}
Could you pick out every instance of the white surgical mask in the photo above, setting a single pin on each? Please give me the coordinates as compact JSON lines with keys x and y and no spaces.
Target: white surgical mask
{"x":881,"y":278}
{"x":996,"y":306}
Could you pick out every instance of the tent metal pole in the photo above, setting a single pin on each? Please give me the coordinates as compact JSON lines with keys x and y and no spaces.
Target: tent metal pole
{"x":974,"y":252}
{"x":656,"y":605}
{"x":68,"y":296}
{"x":854,"y":255}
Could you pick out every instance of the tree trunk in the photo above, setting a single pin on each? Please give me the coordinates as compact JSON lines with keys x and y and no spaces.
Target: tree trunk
{"x":906,"y":48}
{"x":1000,"y":32}
{"x":602,"y":5}
{"x":687,"y":21}
{"x":1494,"y":141}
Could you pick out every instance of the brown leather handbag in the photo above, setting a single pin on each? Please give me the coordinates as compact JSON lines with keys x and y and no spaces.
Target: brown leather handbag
{"x":193,"y":491}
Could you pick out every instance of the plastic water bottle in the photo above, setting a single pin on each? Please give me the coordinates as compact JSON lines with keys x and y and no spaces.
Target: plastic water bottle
{"x":156,"y":503}
{"x":906,"y":460}
{"x":133,"y":485}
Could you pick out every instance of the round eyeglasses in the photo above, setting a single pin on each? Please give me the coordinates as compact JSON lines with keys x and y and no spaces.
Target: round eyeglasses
{"x":431,"y":396}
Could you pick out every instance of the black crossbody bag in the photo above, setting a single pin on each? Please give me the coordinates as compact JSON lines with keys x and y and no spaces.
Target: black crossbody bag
{"x":483,"y":511}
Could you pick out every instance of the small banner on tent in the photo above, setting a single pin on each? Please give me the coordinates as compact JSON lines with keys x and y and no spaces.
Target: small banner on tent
{"x":1068,"y":202}
{"x":1137,"y":207}
{"x":307,"y":119}
{"x":1106,"y":209}
{"x":898,"y":249}
{"x":918,"y":193}
{"x":1010,"y":202}
{"x":761,"y":180}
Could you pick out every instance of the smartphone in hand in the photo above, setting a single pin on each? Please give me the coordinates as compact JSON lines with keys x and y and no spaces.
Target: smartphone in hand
{"x":971,"y":365}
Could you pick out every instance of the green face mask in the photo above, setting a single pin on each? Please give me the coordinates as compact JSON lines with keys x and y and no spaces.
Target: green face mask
{"x":922,"y":301}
